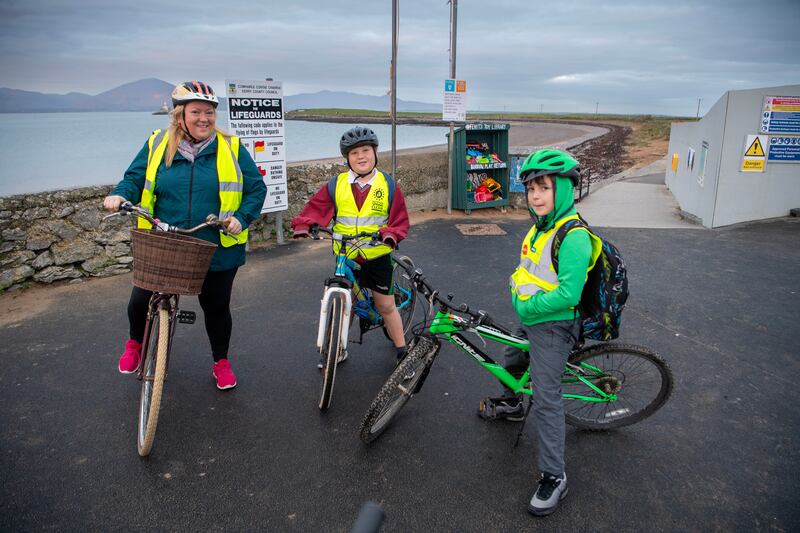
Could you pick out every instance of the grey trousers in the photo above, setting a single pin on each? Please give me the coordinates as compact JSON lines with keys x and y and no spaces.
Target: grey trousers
{"x":550,"y":345}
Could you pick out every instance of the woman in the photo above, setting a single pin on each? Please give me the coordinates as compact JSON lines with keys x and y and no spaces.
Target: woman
{"x":181,"y":175}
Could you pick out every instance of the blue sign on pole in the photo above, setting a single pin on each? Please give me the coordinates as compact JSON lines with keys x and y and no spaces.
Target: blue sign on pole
{"x":784,"y":149}
{"x":449,"y":86}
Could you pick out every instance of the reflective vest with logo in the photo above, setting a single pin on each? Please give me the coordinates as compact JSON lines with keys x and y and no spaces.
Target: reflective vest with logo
{"x":229,"y":174}
{"x":535,"y":271}
{"x":373,"y":215}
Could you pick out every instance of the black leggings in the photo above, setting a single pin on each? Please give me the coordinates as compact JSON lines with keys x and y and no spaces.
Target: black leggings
{"x":215,"y":299}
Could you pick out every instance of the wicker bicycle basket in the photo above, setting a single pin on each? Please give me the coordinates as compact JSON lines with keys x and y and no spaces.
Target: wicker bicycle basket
{"x":170,"y":262}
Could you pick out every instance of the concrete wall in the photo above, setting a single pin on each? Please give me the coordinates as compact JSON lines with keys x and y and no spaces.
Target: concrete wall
{"x":726,"y":195}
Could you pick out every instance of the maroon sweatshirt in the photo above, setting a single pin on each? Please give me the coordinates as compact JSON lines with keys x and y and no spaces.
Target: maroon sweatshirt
{"x":319,"y":210}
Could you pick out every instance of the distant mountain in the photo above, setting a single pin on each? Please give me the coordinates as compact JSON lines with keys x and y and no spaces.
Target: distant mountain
{"x":347,"y":100}
{"x":148,"y":94}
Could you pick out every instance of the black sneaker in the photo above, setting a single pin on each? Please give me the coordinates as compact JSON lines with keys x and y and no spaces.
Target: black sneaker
{"x":506,"y":408}
{"x":550,"y":491}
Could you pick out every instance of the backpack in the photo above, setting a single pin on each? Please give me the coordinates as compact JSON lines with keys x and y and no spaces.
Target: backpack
{"x":606,"y":289}
{"x":332,"y":191}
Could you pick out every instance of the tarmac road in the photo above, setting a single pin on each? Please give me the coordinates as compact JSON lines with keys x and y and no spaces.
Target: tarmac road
{"x":721,"y":306}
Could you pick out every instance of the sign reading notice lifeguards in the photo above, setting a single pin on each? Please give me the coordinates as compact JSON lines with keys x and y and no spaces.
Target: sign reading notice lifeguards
{"x":454,"y":108}
{"x":781,"y":114}
{"x":755,"y":153}
{"x":255,"y":115}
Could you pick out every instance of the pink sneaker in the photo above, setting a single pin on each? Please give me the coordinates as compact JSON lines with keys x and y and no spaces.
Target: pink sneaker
{"x":225,"y":377}
{"x":129,"y":361}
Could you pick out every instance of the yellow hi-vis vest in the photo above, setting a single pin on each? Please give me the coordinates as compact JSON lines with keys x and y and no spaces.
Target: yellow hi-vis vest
{"x":374,"y":214}
{"x":535,"y":271}
{"x":231,"y":183}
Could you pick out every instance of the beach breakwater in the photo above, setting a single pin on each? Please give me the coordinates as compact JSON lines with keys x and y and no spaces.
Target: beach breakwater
{"x":60,"y":235}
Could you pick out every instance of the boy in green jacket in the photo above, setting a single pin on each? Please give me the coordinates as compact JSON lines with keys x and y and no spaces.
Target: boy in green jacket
{"x":546,"y":302}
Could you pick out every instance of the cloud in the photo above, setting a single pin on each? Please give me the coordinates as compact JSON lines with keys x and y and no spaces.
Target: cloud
{"x":638,"y":56}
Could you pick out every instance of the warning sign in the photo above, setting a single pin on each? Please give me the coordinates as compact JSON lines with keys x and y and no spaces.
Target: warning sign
{"x":755,"y":149}
{"x":754,"y":156}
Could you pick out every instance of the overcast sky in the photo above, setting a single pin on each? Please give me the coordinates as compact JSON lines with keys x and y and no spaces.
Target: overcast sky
{"x":563,"y":55}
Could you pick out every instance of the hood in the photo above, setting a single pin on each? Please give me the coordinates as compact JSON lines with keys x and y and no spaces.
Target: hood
{"x":564,"y":204}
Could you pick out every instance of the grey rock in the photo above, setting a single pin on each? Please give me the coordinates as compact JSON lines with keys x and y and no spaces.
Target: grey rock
{"x":45,"y":259}
{"x":113,"y":270}
{"x":66,"y":252}
{"x":55,"y":273}
{"x":16,"y":259}
{"x":39,"y":240}
{"x":97,"y":263}
{"x":16,"y":234}
{"x":67,"y":211}
{"x":63,"y":229}
{"x":15,"y":275}
{"x":125,"y":260}
{"x":120,"y":235}
{"x":87,"y":218}
{"x":6,"y":214}
{"x":7,"y":246}
{"x":118,"y":249}
{"x":36,"y":213}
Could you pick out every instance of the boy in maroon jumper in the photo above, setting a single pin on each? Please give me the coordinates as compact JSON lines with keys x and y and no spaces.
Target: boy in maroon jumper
{"x":364,"y":200}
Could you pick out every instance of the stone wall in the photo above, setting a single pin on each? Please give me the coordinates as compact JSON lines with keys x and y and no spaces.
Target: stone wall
{"x":58,"y":235}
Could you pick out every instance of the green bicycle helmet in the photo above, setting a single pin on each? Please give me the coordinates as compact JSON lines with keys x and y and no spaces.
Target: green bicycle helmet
{"x":548,"y":161}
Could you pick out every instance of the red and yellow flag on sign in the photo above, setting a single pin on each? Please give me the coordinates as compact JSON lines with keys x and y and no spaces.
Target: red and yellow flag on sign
{"x":262,"y":169}
{"x":259,"y":146}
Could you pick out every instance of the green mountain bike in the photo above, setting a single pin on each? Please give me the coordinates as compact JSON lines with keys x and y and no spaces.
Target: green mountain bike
{"x":605,"y":385}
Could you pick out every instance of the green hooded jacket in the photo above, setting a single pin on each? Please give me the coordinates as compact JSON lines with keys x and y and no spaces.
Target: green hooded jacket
{"x":574,"y":257}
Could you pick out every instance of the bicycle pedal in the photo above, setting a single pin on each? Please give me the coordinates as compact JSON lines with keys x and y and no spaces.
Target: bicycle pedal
{"x":187,"y":317}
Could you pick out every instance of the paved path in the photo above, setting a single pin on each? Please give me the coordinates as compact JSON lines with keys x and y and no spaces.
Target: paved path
{"x":720,"y":306}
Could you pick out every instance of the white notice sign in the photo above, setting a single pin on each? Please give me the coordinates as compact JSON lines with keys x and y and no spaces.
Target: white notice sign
{"x":454,"y":108}
{"x":255,"y":115}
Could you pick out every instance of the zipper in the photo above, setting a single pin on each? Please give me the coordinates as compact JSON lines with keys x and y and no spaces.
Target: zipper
{"x":191,"y":183}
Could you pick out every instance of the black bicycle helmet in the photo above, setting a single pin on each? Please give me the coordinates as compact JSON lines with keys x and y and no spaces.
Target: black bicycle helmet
{"x":357,"y":136}
{"x":548,"y":161}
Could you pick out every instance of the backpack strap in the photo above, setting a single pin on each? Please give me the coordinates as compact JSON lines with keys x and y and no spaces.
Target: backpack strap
{"x":561,"y":234}
{"x":392,"y":186}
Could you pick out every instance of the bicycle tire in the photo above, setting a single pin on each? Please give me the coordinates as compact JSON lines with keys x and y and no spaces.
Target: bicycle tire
{"x":331,"y":347}
{"x":153,"y":381}
{"x":639,"y":377}
{"x":401,"y":278}
{"x":404,"y":382}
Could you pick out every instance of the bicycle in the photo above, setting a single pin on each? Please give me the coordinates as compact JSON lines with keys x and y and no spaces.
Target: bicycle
{"x":170,"y":263}
{"x":605,"y":385}
{"x":337,"y":305}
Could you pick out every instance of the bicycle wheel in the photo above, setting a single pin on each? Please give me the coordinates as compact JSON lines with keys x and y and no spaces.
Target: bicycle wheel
{"x":401,"y":385}
{"x":331,"y":346}
{"x":405,"y":293}
{"x":155,"y":370}
{"x":641,"y":380}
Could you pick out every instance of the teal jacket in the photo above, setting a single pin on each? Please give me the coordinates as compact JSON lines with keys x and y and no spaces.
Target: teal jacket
{"x":574,"y":256}
{"x":187,"y":192}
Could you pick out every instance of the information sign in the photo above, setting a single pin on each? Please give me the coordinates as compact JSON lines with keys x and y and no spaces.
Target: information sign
{"x":784,"y":149}
{"x":754,"y":154}
{"x":781,"y":114}
{"x":255,"y":115}
{"x":454,"y":108}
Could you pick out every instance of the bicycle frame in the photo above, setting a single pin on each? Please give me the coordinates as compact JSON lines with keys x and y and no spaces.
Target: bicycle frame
{"x":157,"y":301}
{"x":451,"y":327}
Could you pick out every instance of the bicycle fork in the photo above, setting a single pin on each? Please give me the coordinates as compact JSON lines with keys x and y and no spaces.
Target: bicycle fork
{"x":335,"y":292}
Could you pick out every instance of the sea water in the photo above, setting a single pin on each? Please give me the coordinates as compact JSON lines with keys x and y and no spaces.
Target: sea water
{"x":50,"y":151}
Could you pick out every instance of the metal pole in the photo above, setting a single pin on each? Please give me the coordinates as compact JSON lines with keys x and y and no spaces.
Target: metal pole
{"x":453,"y":20}
{"x":395,"y":27}
{"x":697,"y":115}
{"x":596,"y":106}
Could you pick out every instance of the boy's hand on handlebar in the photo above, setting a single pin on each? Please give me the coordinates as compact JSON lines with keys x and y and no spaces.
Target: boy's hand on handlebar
{"x":232,"y":225}
{"x":112,"y":202}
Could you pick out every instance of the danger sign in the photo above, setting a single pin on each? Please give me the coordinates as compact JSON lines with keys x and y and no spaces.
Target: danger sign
{"x":754,"y":155}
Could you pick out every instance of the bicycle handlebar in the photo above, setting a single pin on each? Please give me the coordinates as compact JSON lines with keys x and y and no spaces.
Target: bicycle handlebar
{"x":315,"y":231}
{"x":127,"y":208}
{"x":481,"y":318}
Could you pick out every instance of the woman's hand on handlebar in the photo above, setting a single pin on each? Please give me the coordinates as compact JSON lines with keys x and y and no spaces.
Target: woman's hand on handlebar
{"x":232,"y":225}
{"x":112,"y":202}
